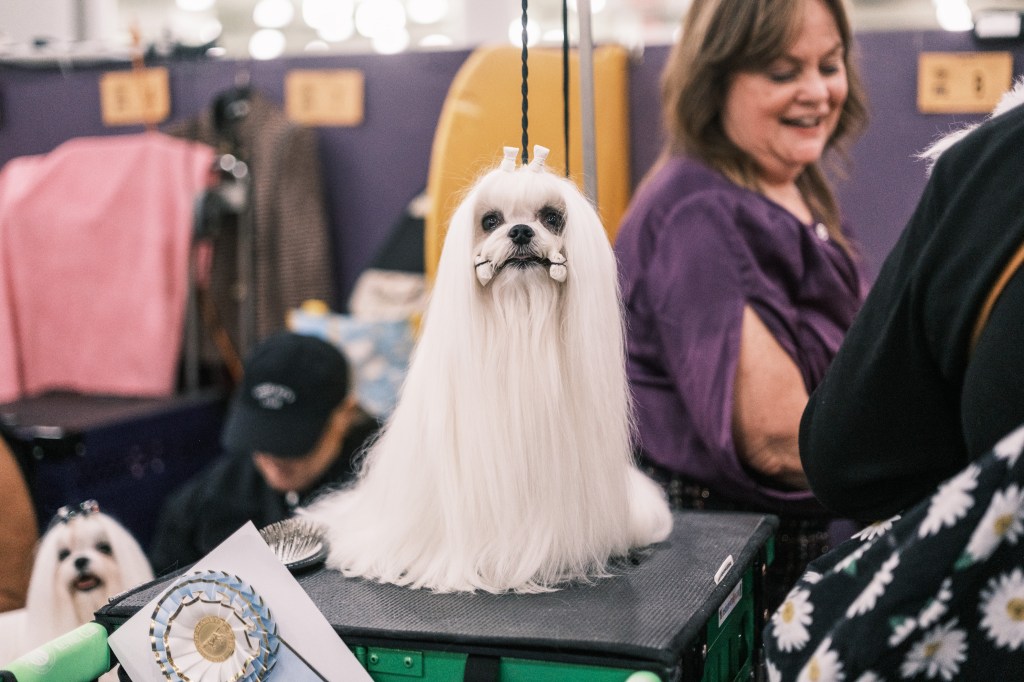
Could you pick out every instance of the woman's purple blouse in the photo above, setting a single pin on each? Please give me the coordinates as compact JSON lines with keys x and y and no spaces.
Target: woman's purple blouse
{"x":694,"y":248}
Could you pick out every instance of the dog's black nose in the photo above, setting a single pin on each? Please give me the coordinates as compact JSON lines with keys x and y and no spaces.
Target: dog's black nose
{"x":81,"y":563}
{"x":520,"y":234}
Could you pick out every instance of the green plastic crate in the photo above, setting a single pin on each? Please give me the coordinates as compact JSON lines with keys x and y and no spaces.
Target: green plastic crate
{"x":727,"y":654}
{"x":676,"y":615}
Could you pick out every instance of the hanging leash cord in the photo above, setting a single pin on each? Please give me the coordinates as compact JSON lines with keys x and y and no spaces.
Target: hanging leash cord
{"x":565,"y":84}
{"x":526,"y":101}
{"x":565,"y":81}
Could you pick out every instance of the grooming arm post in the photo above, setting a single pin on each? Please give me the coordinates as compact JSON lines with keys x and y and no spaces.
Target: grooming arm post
{"x":586,"y":49}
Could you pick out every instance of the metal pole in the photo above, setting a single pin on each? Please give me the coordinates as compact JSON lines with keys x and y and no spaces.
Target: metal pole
{"x":586,"y":50}
{"x":193,"y":336}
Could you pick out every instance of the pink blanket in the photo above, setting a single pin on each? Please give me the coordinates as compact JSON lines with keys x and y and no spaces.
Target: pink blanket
{"x":94,"y":242}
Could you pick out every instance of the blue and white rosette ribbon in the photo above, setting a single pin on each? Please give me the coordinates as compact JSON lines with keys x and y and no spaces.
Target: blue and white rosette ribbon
{"x":213,"y":627}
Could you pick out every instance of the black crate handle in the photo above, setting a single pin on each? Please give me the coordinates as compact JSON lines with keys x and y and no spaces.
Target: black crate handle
{"x":481,"y":668}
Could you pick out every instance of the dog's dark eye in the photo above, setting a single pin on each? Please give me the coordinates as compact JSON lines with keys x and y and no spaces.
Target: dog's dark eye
{"x":104,"y":548}
{"x":491,"y":220}
{"x":552,"y":219}
{"x":63,"y":554}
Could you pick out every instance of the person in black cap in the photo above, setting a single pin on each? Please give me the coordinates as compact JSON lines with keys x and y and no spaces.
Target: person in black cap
{"x":293,"y":429}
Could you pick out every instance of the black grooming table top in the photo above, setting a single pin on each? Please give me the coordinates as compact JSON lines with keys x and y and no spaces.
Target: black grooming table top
{"x":648,"y":611}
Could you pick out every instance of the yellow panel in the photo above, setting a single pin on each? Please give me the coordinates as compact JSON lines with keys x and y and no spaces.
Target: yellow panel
{"x":483,"y":113}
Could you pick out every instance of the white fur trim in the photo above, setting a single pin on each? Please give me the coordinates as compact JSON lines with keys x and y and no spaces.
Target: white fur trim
{"x":1012,"y":98}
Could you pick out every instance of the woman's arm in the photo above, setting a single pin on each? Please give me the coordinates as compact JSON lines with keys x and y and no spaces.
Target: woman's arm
{"x":768,"y":399}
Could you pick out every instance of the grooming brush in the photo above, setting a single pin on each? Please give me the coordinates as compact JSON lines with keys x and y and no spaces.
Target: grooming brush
{"x":299,"y":543}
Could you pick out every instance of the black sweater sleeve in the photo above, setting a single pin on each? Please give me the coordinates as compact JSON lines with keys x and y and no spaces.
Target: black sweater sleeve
{"x":885,"y":425}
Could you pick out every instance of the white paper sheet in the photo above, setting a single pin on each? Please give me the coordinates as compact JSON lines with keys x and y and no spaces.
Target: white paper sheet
{"x":300,"y":623}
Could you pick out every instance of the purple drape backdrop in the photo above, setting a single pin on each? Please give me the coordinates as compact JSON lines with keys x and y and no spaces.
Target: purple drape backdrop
{"x":371,"y":171}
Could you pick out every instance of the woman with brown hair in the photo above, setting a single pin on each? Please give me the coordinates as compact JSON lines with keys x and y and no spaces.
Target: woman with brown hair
{"x":737,"y":273}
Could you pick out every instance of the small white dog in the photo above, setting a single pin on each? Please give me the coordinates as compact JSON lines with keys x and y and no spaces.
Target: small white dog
{"x":83,"y":559}
{"x":506,"y":464}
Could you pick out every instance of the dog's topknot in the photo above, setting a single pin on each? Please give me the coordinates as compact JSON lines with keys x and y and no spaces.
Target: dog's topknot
{"x":540,"y":155}
{"x":508,"y":163}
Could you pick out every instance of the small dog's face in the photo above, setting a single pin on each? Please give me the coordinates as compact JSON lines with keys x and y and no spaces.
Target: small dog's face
{"x":84,"y":558}
{"x":87,"y":568}
{"x":520,"y":227}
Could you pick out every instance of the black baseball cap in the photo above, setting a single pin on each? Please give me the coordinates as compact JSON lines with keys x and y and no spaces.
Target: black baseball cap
{"x":291,"y":383}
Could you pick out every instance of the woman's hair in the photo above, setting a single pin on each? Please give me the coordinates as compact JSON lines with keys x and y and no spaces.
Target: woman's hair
{"x":721,"y":38}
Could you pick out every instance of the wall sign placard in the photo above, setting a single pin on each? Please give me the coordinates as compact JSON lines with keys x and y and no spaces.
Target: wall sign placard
{"x":319,"y":97}
{"x":139,"y":96}
{"x":962,"y":82}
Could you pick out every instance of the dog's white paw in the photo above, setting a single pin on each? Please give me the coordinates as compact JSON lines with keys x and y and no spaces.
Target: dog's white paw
{"x":650,"y":515}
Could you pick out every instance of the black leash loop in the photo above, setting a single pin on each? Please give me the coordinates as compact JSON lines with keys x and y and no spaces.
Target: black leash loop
{"x":565,"y":83}
{"x":526,"y":101}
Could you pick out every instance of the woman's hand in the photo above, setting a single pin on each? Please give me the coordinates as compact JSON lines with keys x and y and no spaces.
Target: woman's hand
{"x":768,"y":399}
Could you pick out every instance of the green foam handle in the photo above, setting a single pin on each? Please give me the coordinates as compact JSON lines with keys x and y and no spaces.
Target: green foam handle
{"x":77,"y":656}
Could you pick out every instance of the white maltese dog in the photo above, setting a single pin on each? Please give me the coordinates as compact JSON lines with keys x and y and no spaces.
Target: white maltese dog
{"x":506,"y":464}
{"x":83,"y":559}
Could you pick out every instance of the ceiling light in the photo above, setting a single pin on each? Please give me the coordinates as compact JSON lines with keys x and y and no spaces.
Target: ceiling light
{"x":273,"y":13}
{"x":267,"y":43}
{"x":427,"y":11}
{"x":195,"y":5}
{"x":189,"y":28}
{"x":953,"y":15}
{"x":998,"y":24}
{"x":515,"y":32}
{"x":331,"y":19}
{"x":210,"y":30}
{"x":436,"y":40}
{"x":379,"y":17}
{"x":317,"y":13}
{"x":391,"y":42}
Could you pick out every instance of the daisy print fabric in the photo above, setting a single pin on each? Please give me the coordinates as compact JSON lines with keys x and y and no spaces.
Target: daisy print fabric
{"x":936,"y":593}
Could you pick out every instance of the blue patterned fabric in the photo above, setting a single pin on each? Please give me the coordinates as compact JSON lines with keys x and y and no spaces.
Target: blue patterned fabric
{"x":378,"y":352}
{"x":934,"y":594}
